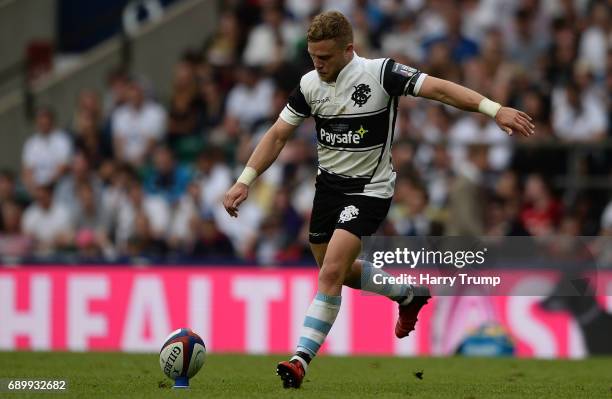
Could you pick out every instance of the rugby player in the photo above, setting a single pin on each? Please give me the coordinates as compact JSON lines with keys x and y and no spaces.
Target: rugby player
{"x":354,"y":103}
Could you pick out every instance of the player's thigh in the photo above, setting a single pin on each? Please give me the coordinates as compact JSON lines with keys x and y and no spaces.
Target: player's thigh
{"x":318,"y":251}
{"x":362,"y":215}
{"x":342,"y":250}
{"x":326,"y":207}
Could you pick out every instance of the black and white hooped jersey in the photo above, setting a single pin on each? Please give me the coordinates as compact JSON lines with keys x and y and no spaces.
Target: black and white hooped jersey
{"x":355,"y":121}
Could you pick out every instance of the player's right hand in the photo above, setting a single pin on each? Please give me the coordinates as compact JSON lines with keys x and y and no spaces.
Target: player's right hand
{"x":511,"y":120}
{"x":234,"y":197}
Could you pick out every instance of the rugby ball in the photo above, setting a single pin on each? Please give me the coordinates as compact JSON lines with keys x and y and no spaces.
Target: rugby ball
{"x":182,"y":354}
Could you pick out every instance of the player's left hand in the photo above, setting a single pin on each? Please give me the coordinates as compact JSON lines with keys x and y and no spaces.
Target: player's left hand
{"x":511,"y":120}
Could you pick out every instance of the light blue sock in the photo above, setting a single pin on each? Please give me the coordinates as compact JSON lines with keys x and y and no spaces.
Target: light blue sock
{"x":401,"y":293}
{"x":319,"y":319}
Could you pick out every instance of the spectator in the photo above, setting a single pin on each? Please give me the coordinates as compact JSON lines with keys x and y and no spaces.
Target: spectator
{"x":115,"y":194}
{"x":409,"y":211}
{"x":490,"y":72}
{"x":10,"y":217}
{"x":47,"y":153}
{"x":251,"y":98}
{"x":302,"y":9}
{"x":364,"y":34}
{"x":89,"y":140}
{"x":578,"y":116}
{"x":403,"y":41}
{"x":7,"y":186}
{"x":117,"y":83}
{"x":88,"y":105}
{"x":228,"y":135}
{"x":13,"y":242}
{"x":80,"y":173}
{"x":210,"y":242}
{"x":595,"y":40}
{"x":185,"y":106}
{"x":525,"y":47}
{"x":214,"y":178}
{"x":433,"y":132}
{"x":91,"y":224}
{"x":166,"y":178}
{"x":282,"y":206}
{"x":467,"y":193}
{"x":273,"y":41}
{"x":479,"y":129}
{"x":542,"y":211}
{"x":438,"y":54}
{"x":563,"y":54}
{"x":502,"y":219}
{"x":137,"y":126}
{"x":402,"y":155}
{"x":268,"y":246}
{"x":213,"y":102}
{"x":461,"y":47}
{"x":143,"y":241}
{"x":225,"y":45}
{"x":507,"y":187}
{"x":185,"y":219}
{"x":536,"y":105}
{"x":439,"y":177}
{"x":142,"y":221}
{"x":47,"y":223}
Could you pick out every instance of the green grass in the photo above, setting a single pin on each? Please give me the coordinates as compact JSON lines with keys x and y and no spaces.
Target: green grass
{"x":116,"y":375}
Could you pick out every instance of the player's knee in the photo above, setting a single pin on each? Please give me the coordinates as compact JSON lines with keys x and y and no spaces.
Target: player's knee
{"x":331,"y":275}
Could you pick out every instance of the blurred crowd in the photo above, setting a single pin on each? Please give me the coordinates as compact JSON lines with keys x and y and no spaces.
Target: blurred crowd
{"x":135,"y":176}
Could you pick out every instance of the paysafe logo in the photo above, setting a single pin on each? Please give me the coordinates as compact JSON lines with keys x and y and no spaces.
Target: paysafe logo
{"x":350,"y":137}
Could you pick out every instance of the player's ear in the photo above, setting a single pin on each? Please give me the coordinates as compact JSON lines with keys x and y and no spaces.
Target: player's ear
{"x":349,"y":49}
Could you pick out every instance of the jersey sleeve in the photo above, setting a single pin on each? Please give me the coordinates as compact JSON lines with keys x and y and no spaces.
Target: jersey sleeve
{"x":401,"y":80}
{"x":297,"y":108}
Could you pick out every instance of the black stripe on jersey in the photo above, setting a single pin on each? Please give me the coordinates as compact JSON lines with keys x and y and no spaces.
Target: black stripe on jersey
{"x":294,"y":112}
{"x":297,"y":102}
{"x":395,"y":105}
{"x":349,"y":115}
{"x":341,"y":184}
{"x":392,"y":107}
{"x":399,"y":79}
{"x":341,"y":175}
{"x":376,"y":147}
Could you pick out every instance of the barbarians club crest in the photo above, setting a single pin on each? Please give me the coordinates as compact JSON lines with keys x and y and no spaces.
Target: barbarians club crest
{"x":361,"y":94}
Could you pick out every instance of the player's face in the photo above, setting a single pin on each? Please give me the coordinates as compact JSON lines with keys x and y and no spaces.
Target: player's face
{"x":329,"y":58}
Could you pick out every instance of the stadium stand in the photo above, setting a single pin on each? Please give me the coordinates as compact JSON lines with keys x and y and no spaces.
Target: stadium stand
{"x":137,"y":176}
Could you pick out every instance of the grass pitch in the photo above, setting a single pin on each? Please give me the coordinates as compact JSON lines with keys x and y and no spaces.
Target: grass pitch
{"x":118,"y":375}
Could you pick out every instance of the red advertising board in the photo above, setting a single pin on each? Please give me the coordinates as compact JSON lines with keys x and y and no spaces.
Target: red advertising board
{"x":253,"y":310}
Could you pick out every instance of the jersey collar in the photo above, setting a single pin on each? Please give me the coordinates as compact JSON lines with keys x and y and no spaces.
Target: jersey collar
{"x":347,"y":69}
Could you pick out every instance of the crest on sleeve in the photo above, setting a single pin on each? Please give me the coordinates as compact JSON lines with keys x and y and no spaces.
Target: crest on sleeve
{"x":403,"y":70}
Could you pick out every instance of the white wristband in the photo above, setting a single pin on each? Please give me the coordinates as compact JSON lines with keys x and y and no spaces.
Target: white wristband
{"x":248,"y":176}
{"x":488,"y":107}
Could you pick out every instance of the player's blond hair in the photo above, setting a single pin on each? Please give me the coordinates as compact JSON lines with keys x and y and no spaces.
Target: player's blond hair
{"x":331,"y":25}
